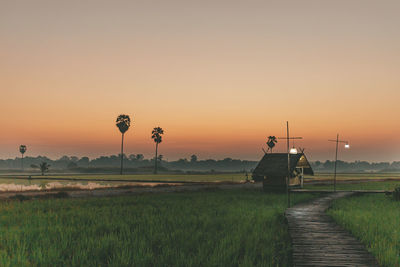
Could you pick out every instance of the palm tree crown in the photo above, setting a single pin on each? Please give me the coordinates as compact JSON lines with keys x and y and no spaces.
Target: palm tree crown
{"x":22,"y":149}
{"x":271,"y":142}
{"x":156,"y":134}
{"x":123,"y":122}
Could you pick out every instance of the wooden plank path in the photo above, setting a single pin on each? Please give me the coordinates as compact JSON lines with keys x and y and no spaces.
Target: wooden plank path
{"x":318,"y":241}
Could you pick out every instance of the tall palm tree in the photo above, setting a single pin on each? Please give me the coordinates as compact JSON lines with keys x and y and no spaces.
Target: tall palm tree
{"x":156,"y":135}
{"x":271,"y":142}
{"x":22,"y":150}
{"x":44,"y":167}
{"x":123,"y":122}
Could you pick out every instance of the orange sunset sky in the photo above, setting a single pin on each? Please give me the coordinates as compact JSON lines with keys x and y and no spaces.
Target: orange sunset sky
{"x":218,"y":76}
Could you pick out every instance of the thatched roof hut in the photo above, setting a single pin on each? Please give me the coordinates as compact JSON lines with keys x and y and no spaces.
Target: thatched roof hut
{"x":273,"y":168}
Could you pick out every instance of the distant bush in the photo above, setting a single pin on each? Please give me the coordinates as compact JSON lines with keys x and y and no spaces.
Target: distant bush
{"x":396,"y":194}
{"x":61,"y":194}
{"x":72,"y":165}
{"x":20,"y":197}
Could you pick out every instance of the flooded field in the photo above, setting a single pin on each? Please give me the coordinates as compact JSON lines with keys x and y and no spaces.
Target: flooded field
{"x":184,"y":177}
{"x":54,"y":185}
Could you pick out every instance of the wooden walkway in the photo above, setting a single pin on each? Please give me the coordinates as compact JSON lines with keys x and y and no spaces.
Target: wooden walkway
{"x":318,"y":241}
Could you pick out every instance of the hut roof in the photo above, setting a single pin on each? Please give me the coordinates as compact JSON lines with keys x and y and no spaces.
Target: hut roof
{"x":275,"y":164}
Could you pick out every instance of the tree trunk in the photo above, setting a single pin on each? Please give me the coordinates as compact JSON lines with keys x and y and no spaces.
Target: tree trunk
{"x":22,"y":162}
{"x":155,"y":164}
{"x":122,"y":154}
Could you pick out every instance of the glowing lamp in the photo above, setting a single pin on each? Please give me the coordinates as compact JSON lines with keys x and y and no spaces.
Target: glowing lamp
{"x":346,"y":146}
{"x":293,"y":150}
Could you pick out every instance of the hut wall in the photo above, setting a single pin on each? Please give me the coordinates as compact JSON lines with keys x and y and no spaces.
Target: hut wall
{"x":274,"y":183}
{"x":278,"y":183}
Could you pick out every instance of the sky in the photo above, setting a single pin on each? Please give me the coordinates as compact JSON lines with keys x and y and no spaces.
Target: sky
{"x":218,"y":76}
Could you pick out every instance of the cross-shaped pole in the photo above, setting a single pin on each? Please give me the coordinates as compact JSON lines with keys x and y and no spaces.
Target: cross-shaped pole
{"x":337,"y":143}
{"x":288,"y":138}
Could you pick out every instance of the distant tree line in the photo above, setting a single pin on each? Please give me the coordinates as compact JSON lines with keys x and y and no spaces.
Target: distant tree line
{"x":356,"y":166}
{"x":137,"y":162}
{"x":130,"y":162}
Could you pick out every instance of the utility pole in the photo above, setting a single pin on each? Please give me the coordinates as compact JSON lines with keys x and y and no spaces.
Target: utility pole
{"x":288,"y":138}
{"x":337,"y":141}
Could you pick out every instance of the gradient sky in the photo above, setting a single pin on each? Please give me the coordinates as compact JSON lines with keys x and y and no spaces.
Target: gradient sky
{"x":218,"y":76}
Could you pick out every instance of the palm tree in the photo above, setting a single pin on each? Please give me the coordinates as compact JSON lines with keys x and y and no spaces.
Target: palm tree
{"x":123,"y":122}
{"x":271,"y":142}
{"x":44,"y":167}
{"x":156,"y":135}
{"x":22,"y":150}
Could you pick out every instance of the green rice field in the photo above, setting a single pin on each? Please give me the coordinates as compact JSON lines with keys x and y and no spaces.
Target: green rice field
{"x":353,"y":176}
{"x":375,"y":220}
{"x":243,"y":227}
{"x":207,"y":177}
{"x":376,"y":185}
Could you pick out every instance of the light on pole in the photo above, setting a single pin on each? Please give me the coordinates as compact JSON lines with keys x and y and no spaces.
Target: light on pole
{"x":346,"y":145}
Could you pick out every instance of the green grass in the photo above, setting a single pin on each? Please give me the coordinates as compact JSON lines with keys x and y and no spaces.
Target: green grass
{"x":206,"y":228}
{"x":217,"y":177}
{"x":220,"y":176}
{"x":375,"y":220}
